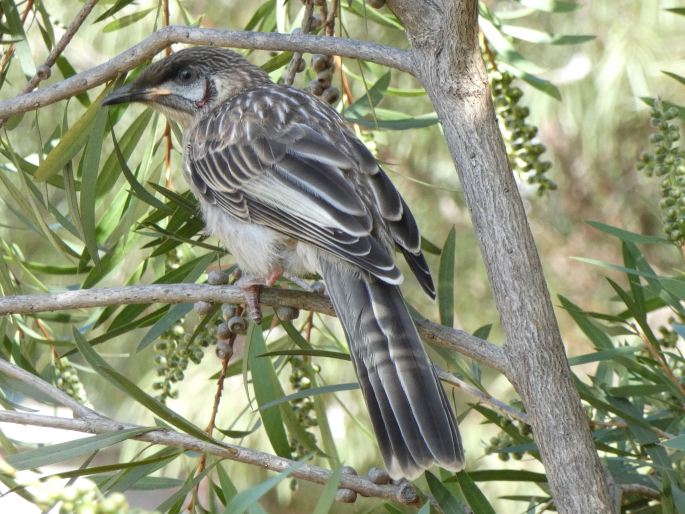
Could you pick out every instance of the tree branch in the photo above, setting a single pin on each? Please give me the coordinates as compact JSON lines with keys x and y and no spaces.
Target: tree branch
{"x":453,"y":339}
{"x":146,"y":49}
{"x":402,"y":493}
{"x":44,"y":70}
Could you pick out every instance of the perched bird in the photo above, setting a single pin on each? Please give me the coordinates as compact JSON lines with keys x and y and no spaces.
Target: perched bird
{"x":289,"y":188}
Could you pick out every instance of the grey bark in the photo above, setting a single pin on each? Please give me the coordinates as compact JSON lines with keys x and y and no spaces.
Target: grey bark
{"x":447,"y":60}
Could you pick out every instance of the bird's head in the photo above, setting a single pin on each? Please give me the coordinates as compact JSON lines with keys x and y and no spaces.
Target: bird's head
{"x":190,"y":81}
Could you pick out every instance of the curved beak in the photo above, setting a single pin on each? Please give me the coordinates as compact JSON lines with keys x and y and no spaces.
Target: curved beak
{"x":130,"y":93}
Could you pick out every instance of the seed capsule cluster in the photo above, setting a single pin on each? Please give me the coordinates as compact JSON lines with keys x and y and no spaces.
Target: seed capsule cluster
{"x":303,"y":407}
{"x":175,"y":351}
{"x":524,"y":151}
{"x":504,"y":439}
{"x":667,"y":160}
{"x":83,"y":497}
{"x":324,"y":67}
{"x":67,"y":379}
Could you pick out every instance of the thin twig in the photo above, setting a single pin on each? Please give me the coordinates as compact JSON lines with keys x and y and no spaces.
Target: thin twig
{"x":484,"y":397}
{"x":167,"y":126}
{"x":433,"y":333}
{"x":209,"y":429}
{"x":330,"y":17}
{"x":297,"y":56}
{"x":403,"y":493}
{"x":146,"y":49}
{"x":44,"y":70}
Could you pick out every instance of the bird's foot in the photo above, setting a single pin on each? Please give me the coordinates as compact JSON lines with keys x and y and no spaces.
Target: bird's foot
{"x":310,"y":287}
{"x":252,"y":289}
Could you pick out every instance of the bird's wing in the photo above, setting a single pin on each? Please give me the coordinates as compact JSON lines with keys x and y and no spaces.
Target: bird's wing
{"x":286,"y":162}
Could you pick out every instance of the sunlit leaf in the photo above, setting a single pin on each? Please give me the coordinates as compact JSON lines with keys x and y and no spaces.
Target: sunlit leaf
{"x":125,"y":21}
{"x":243,"y":500}
{"x":72,"y":449}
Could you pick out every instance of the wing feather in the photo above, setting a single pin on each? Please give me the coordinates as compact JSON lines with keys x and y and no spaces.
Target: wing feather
{"x":305,"y":175}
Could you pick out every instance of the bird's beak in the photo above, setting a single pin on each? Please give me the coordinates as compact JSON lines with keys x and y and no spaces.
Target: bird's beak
{"x":130,"y":93}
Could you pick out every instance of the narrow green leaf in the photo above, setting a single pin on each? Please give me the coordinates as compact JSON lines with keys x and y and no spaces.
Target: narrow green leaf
{"x":118,"y":6}
{"x":313,"y":391}
{"x":599,"y":338}
{"x":505,"y":50}
{"x":175,"y":313}
{"x":604,"y":355}
{"x":310,"y":353}
{"x":67,"y":70}
{"x":127,"y":20}
{"x":677,"y":442}
{"x":139,"y":190}
{"x":327,"y":498}
{"x":506,"y":475}
{"x":365,"y":104}
{"x":364,"y":10}
{"x":127,"y":143}
{"x":71,"y":449}
{"x":70,"y":143}
{"x":128,"y":477}
{"x":446,"y":280}
{"x":239,"y":434}
{"x":475,"y":498}
{"x":429,"y":247}
{"x":540,"y":37}
{"x":132,"y":390}
{"x":447,"y":501}
{"x":551,"y":5}
{"x":265,"y":391}
{"x":180,"y":495}
{"x":675,"y":76}
{"x":89,"y":168}
{"x":393,"y":120}
{"x":676,"y":10}
{"x":243,"y":500}
{"x":626,"y":235}
{"x":533,"y":80}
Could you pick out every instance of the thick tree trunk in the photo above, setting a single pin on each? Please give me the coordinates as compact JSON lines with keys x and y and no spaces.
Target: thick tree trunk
{"x":444,"y":37}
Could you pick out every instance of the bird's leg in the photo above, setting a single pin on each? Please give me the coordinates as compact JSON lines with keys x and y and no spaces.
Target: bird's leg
{"x":274,"y":276}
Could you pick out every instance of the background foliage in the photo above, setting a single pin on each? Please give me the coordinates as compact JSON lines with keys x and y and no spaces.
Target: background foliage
{"x":93,"y":197}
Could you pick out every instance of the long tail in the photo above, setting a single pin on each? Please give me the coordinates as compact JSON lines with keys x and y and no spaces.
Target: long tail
{"x":410,"y":412}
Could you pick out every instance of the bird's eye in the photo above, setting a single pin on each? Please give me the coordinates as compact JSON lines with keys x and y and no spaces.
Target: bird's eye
{"x":185,"y":75}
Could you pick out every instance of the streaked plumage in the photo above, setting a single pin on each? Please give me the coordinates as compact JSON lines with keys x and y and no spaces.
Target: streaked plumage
{"x":289,"y":188}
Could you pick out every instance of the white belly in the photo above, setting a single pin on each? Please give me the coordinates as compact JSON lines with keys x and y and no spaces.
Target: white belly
{"x":259,"y":250}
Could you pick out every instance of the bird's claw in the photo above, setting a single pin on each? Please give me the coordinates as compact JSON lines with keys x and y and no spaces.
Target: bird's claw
{"x":252,"y":290}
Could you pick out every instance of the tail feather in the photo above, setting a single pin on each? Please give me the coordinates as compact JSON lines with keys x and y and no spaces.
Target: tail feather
{"x":410,"y":412}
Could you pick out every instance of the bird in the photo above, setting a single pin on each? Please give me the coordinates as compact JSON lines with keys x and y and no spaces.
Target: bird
{"x":289,"y":189}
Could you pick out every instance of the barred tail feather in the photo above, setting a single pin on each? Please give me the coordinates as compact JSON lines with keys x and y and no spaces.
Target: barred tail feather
{"x":411,"y":415}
